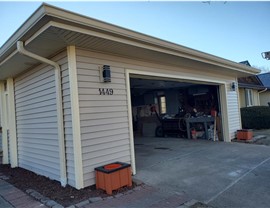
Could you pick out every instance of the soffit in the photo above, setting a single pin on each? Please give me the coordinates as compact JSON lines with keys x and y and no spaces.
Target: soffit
{"x":55,"y":39}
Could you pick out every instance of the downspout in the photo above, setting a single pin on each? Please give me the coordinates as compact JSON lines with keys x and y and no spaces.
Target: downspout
{"x":59,"y":101}
{"x":263,"y":90}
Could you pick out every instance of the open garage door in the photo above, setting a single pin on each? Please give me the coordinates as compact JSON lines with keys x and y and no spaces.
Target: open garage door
{"x":175,"y":108}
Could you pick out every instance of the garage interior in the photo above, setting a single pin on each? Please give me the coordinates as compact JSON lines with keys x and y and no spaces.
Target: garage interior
{"x":164,"y":107}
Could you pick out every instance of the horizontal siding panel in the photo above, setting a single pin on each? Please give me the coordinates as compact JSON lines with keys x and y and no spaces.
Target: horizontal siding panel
{"x":37,"y":110}
{"x":38,"y":125}
{"x":104,"y":133}
{"x":40,"y":152}
{"x":42,"y":142}
{"x":33,"y":75}
{"x":36,"y":90}
{"x":97,"y":103}
{"x":103,"y":109}
{"x":49,"y":81}
{"x":50,"y":93}
{"x":38,"y":131}
{"x":65,"y":86}
{"x":97,"y":85}
{"x":104,"y":146}
{"x":39,"y":99}
{"x":97,"y":141}
{"x":39,"y":115}
{"x":49,"y":159}
{"x":51,"y":119}
{"x":94,"y":116}
{"x":41,"y":166}
{"x":102,"y":98}
{"x":107,"y":127}
{"x":105,"y":121}
{"x":105,"y":152}
{"x":36,"y":105}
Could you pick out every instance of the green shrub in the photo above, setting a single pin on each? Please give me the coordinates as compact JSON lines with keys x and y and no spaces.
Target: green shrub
{"x":256,"y":117}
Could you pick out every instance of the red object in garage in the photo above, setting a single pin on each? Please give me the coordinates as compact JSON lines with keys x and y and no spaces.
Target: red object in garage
{"x":113,"y":176}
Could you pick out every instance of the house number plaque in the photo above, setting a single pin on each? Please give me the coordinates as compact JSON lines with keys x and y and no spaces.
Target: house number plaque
{"x":105,"y":91}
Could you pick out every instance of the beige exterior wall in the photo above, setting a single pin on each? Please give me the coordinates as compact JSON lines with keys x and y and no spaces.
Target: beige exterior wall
{"x":36,"y":116}
{"x":104,"y":118}
{"x":255,"y":97}
{"x":264,"y":98}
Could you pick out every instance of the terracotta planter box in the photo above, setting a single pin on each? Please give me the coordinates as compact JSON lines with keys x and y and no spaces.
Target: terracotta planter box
{"x":113,"y":176}
{"x":244,"y":134}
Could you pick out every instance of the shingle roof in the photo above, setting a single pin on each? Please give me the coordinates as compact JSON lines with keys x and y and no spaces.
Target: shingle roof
{"x":245,"y":63}
{"x":265,"y":79}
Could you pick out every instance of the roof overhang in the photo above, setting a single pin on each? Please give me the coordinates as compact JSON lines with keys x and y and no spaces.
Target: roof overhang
{"x":50,"y":29}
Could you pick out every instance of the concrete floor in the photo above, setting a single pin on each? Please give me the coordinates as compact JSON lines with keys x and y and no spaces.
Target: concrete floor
{"x":217,"y":173}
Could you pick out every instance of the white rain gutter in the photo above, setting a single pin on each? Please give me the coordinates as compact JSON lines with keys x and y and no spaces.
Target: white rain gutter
{"x":262,"y":91}
{"x":60,"y":124}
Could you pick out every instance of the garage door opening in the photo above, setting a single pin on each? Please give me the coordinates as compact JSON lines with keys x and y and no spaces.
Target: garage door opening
{"x":164,"y":107}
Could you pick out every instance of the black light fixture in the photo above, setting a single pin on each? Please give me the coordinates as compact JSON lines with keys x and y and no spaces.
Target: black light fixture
{"x":106,"y":73}
{"x":233,"y":86}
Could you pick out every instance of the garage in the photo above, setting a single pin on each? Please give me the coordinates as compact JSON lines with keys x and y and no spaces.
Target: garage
{"x":175,"y":108}
{"x":106,"y":88}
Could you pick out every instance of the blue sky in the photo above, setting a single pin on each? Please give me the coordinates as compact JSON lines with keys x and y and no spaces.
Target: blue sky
{"x":236,"y":31}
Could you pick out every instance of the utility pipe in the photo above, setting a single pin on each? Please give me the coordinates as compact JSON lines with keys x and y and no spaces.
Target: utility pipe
{"x":263,"y":90}
{"x":59,"y":101}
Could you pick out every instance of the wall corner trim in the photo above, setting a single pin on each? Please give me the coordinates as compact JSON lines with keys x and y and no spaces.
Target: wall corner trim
{"x":5,"y":159}
{"x":75,"y":114}
{"x":12,"y":124}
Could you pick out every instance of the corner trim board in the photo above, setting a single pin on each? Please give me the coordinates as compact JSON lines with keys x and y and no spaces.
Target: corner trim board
{"x":75,"y":114}
{"x":12,"y":124}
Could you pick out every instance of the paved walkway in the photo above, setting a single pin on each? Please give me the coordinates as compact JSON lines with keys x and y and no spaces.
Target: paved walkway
{"x":145,"y":197}
{"x":11,"y":197}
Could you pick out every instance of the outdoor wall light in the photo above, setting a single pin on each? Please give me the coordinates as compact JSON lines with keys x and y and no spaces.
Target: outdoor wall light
{"x":233,"y":86}
{"x":106,"y":73}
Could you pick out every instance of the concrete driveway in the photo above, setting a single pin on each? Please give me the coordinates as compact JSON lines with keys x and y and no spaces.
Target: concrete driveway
{"x":216,"y":173}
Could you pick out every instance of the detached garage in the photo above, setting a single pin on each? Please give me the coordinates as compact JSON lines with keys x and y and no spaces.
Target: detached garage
{"x":74,"y":90}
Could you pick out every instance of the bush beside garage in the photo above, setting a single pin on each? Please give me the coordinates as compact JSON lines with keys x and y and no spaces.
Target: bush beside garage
{"x":255,"y":117}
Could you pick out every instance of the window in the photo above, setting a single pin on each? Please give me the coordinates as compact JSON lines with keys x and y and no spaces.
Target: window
{"x":162,"y":101}
{"x":249,"y":97}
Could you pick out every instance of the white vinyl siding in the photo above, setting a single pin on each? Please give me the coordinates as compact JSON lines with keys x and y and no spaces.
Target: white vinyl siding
{"x":233,"y":111}
{"x":36,"y":122}
{"x":104,"y":118}
{"x":36,"y":115}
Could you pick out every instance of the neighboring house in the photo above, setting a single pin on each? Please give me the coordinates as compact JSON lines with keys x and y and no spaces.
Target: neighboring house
{"x":66,"y":91}
{"x":250,"y":89}
{"x":265,"y":96}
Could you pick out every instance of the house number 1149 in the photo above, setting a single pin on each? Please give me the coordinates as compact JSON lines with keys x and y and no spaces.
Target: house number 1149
{"x":105,"y":91}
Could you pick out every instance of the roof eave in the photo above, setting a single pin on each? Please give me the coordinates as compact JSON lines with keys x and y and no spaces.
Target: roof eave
{"x":46,"y":10}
